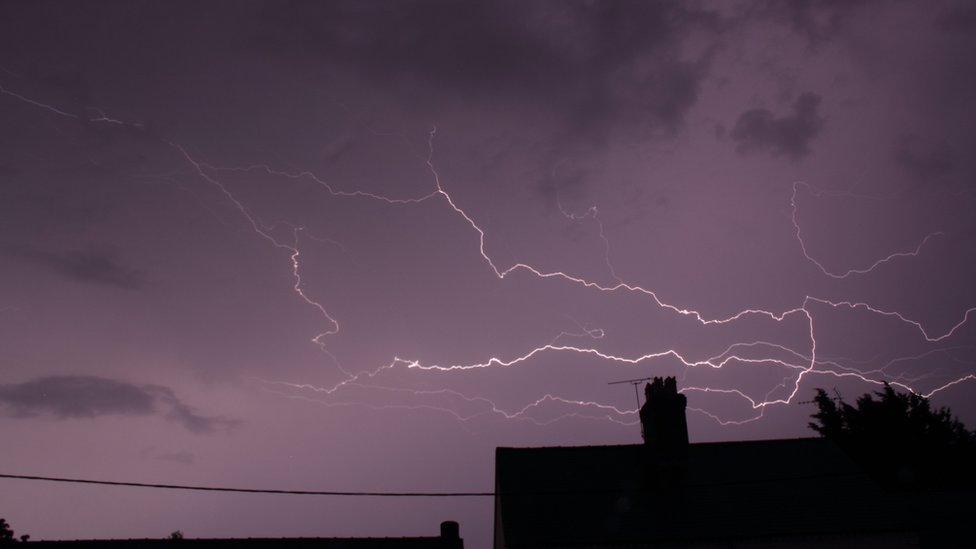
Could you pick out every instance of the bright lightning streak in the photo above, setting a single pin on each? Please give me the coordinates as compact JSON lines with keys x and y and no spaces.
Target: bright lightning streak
{"x":594,"y":213}
{"x":292,"y":249}
{"x":619,"y":286}
{"x":916,"y":324}
{"x":808,"y":365}
{"x":853,"y":271}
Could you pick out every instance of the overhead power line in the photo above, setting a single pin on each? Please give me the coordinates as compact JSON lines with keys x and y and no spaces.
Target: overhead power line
{"x":254,"y":490}
{"x":419,"y":494}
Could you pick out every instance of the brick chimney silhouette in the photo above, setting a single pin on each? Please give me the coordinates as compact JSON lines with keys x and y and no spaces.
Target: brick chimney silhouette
{"x":663,"y":423}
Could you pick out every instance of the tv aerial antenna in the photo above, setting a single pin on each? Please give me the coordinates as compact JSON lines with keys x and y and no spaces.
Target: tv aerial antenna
{"x":635,"y":383}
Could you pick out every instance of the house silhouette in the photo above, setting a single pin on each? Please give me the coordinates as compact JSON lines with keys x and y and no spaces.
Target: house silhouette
{"x":449,"y":538}
{"x":669,"y":493}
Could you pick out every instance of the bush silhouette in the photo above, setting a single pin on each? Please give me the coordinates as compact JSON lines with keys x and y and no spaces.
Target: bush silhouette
{"x":898,"y":437}
{"x":6,"y":533}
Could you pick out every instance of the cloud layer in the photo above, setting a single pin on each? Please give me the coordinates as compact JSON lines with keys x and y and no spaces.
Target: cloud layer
{"x":88,"y":266}
{"x":593,"y":64}
{"x":788,"y":135}
{"x":82,"y":396}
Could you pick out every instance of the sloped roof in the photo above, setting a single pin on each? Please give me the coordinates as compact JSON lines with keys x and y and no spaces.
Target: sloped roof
{"x":729,"y":490}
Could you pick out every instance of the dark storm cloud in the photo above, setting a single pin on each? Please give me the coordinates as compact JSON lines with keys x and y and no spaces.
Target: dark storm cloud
{"x":961,"y":19}
{"x":75,"y":396}
{"x":180,"y":412}
{"x":90,"y":266}
{"x":817,"y":20}
{"x":592,"y":61}
{"x":924,"y":159}
{"x":598,"y":72}
{"x":788,"y":135}
{"x":92,"y":396}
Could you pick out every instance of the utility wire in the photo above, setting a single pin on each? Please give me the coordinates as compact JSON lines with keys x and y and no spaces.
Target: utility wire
{"x":415,"y":494}
{"x":253,"y":490}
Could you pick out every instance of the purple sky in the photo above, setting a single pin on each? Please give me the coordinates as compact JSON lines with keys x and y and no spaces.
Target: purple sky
{"x":235,"y":250}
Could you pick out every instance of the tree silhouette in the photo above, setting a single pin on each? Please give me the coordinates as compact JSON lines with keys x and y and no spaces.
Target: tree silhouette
{"x":898,"y":437}
{"x":6,"y":534}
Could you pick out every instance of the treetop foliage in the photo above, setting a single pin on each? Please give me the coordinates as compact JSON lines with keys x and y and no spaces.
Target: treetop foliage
{"x":898,"y":436}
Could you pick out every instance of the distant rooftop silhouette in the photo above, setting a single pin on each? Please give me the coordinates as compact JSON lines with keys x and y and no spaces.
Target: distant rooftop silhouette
{"x":449,"y":538}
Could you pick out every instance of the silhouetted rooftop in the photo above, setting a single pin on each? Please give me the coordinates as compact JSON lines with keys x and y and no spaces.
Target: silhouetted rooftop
{"x":732,"y":490}
{"x":449,"y":539}
{"x":290,"y":543}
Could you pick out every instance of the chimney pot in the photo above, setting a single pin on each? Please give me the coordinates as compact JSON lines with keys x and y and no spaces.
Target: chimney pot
{"x":663,"y":422}
{"x":450,"y":530}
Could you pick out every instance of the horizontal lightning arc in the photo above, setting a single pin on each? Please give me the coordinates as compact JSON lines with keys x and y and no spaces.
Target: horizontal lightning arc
{"x":809,"y":360}
{"x":619,"y":286}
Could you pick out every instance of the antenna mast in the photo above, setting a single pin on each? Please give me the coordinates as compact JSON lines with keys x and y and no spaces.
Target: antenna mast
{"x":635,"y":383}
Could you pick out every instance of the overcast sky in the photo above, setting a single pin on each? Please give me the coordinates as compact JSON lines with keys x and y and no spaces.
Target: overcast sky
{"x":358,"y":245}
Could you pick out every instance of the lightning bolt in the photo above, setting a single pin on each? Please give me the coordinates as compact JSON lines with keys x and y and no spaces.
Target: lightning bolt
{"x":853,"y":271}
{"x":802,"y":369}
{"x":802,"y":363}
